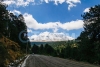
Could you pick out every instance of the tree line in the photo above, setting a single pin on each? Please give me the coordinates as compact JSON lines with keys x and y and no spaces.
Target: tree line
{"x":43,"y":49}
{"x":68,"y":51}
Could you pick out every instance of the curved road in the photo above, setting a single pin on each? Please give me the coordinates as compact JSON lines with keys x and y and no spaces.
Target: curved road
{"x":48,"y":61}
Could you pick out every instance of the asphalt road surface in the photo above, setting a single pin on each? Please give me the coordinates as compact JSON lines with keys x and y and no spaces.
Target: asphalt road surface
{"x":48,"y":61}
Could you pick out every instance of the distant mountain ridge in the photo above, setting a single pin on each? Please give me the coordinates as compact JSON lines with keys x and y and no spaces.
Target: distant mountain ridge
{"x":39,"y":43}
{"x":52,"y":43}
{"x":46,"y":36}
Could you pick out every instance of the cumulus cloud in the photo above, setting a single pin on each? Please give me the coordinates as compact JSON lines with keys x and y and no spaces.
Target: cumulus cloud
{"x":32,"y":23}
{"x":18,"y":2}
{"x":47,"y":1}
{"x":71,"y":25}
{"x":47,"y":36}
{"x":29,"y":30}
{"x":59,"y":1}
{"x":8,"y":2}
{"x":15,"y":12}
{"x":71,"y":3}
{"x":86,"y":10}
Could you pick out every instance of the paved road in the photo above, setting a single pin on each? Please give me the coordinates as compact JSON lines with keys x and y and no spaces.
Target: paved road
{"x":48,"y":61}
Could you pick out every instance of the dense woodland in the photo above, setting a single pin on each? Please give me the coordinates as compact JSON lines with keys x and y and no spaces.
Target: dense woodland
{"x":10,"y":27}
{"x":85,"y":48}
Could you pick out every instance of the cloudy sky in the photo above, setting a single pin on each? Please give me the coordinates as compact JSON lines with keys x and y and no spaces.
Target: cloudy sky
{"x":52,"y":20}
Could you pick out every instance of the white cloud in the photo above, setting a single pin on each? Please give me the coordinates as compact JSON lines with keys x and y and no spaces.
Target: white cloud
{"x":32,"y":23}
{"x":55,"y":30}
{"x":46,"y":1}
{"x":24,"y":3}
{"x":86,"y":10}
{"x":59,"y":1}
{"x":15,"y":12}
{"x":71,"y":3}
{"x":47,"y":36}
{"x":18,"y":2}
{"x":8,"y":2}
{"x":71,"y":25}
{"x":29,"y":30}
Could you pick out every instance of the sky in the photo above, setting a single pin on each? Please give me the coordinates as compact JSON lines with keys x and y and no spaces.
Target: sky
{"x":52,"y":20}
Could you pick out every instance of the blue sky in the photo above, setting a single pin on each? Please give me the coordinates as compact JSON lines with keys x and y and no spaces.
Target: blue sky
{"x":52,"y":20}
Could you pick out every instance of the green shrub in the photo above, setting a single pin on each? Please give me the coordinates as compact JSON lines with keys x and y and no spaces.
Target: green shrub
{"x":3,"y":55}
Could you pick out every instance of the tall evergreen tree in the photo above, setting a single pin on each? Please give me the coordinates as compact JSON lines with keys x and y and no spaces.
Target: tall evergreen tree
{"x":90,"y":37}
{"x":92,"y":23}
{"x":3,"y":18}
{"x":35,"y":49}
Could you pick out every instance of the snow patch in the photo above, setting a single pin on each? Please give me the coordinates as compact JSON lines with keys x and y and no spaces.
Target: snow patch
{"x":24,"y":63}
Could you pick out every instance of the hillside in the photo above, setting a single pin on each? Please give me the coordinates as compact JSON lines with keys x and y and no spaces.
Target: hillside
{"x":9,"y":51}
{"x":11,"y":26}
